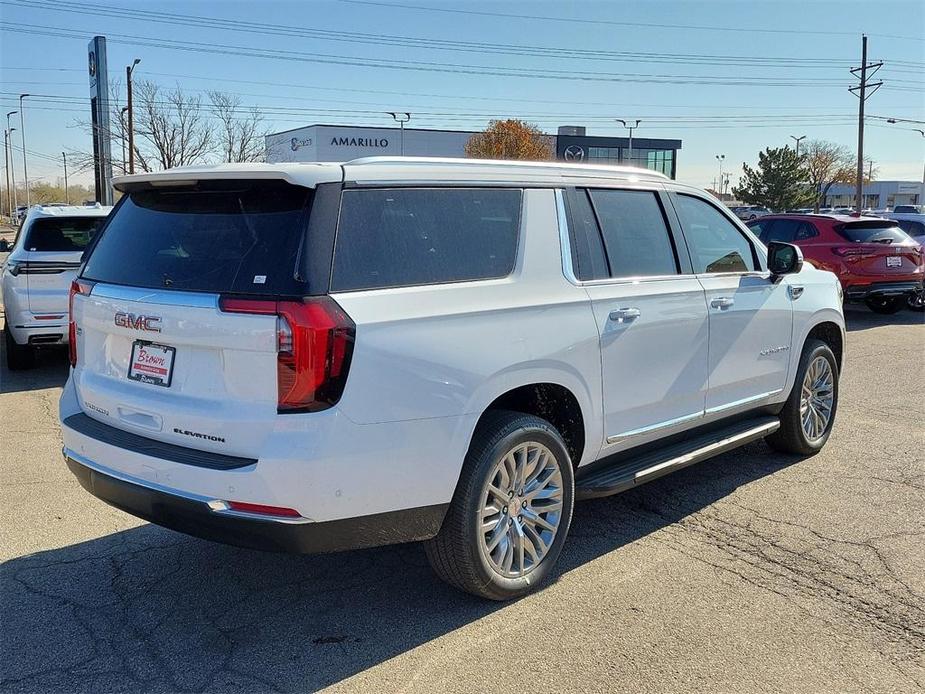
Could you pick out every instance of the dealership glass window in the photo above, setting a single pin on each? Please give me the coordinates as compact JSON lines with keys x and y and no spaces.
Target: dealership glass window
{"x":609,"y":154}
{"x":411,"y":236}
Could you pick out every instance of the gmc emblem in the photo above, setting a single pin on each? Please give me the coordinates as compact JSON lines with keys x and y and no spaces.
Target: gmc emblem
{"x":130,"y":320}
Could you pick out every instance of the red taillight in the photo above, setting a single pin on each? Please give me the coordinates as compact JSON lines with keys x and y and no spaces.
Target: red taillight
{"x":78,"y":286}
{"x":263,"y":509}
{"x":314,"y":345}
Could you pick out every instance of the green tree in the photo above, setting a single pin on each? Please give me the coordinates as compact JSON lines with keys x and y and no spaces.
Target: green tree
{"x":778,"y":182}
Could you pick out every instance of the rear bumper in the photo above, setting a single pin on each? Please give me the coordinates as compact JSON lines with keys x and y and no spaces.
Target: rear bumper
{"x":875,"y":289}
{"x":205,"y":518}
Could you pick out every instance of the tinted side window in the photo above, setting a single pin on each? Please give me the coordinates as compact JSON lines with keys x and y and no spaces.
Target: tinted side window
{"x":635,"y":233}
{"x":911,"y":227}
{"x":588,"y":257}
{"x":761,"y":229}
{"x":410,"y":236}
{"x":715,"y":243}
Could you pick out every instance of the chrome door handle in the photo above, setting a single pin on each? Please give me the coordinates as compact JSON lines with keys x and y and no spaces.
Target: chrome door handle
{"x":625,"y":315}
{"x":722,"y":302}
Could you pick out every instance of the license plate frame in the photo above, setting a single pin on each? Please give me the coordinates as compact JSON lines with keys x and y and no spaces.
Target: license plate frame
{"x":154,"y":367}
{"x":894,"y":261}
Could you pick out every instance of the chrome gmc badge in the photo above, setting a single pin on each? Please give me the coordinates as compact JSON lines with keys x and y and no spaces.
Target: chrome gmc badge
{"x":130,"y":320}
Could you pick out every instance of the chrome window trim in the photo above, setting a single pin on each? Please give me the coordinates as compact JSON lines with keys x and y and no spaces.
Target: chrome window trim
{"x":147,"y":295}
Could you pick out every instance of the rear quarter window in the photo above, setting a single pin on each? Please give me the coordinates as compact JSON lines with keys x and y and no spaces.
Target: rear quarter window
{"x":413,"y":236}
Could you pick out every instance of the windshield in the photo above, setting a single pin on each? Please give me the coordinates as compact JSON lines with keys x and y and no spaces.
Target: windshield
{"x":240,"y":237}
{"x":873,"y":232}
{"x":61,"y":233}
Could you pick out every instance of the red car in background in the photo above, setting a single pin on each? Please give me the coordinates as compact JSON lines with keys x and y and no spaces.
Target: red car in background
{"x":876,"y":261}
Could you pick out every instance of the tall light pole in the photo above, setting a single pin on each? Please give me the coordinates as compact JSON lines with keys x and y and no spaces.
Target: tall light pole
{"x":129,"y":69}
{"x":797,"y":140}
{"x":721,"y":158}
{"x":401,"y":118}
{"x":922,"y":133}
{"x":6,"y":171}
{"x":67,"y":195}
{"x":631,"y":128}
{"x":22,"y":132}
{"x":10,"y":130}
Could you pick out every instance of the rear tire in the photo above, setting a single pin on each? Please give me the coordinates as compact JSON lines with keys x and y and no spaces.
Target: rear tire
{"x":916,"y":301}
{"x":18,"y":357}
{"x":500,"y":543}
{"x":814,"y":397}
{"x":885,"y":305}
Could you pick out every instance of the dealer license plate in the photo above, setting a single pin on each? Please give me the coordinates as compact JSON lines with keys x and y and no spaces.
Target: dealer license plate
{"x":894,"y":261}
{"x":151,"y":363}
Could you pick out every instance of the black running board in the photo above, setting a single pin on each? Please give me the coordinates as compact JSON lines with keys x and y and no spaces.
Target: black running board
{"x":628,"y":472}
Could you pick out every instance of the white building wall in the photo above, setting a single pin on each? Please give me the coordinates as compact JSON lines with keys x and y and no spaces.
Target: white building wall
{"x":340,"y":143}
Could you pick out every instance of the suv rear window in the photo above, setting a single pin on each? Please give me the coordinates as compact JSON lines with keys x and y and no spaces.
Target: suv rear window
{"x":237,"y":237}
{"x":411,"y":236}
{"x":872,"y":232}
{"x":61,"y":234}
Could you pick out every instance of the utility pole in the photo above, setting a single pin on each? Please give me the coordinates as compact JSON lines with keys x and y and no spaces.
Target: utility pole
{"x":6,"y":171}
{"x":631,"y":128}
{"x":122,"y":123}
{"x":401,"y":118}
{"x":129,"y":69}
{"x":22,"y":132}
{"x":865,"y":72}
{"x":721,"y":158}
{"x":797,"y":139}
{"x":67,"y":195}
{"x":922,"y":133}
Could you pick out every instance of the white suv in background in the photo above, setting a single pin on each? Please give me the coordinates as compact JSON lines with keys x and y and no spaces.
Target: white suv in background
{"x":37,"y":275}
{"x":313,"y":357}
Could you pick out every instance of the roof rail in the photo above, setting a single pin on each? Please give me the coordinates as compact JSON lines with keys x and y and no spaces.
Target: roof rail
{"x":547,"y":165}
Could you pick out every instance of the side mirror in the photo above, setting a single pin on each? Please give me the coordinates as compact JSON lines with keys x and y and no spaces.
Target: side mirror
{"x":4,"y":246}
{"x":784,"y":259}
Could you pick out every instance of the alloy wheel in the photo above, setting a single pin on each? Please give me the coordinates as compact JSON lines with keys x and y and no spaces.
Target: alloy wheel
{"x":817,"y":398}
{"x":521,"y":509}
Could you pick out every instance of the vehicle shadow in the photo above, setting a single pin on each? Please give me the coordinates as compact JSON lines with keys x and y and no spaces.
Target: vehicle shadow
{"x":148,"y":609}
{"x":862,"y":318}
{"x":50,"y":371}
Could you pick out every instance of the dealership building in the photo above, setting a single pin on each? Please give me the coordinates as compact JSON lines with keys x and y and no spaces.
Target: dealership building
{"x":571,"y":143}
{"x":878,"y":195}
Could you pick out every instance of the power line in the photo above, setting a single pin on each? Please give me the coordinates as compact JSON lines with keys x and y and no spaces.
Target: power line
{"x":659,"y":25}
{"x":248,"y":27}
{"x":425,"y":66}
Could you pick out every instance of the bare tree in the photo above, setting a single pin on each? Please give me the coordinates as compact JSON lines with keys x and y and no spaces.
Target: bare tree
{"x":171,"y":126}
{"x":241,"y":132}
{"x":825,"y":164}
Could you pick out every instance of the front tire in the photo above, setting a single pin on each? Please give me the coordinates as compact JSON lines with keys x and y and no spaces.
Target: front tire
{"x":809,"y":413}
{"x":885,"y":305}
{"x":511,"y":511}
{"x":18,"y":357}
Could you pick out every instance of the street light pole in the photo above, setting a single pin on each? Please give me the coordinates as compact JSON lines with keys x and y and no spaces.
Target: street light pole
{"x":401,"y":118}
{"x":10,"y":130}
{"x":797,"y":139}
{"x":631,"y":128}
{"x":6,"y":171}
{"x":22,"y":132}
{"x":721,"y":158}
{"x":129,"y":69}
{"x":67,"y":195}
{"x":922,"y":133}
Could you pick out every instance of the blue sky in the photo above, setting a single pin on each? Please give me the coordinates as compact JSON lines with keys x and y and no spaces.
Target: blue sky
{"x":725,"y":77}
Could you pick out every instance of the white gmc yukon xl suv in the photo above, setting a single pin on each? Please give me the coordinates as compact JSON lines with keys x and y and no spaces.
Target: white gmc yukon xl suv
{"x":314,"y":357}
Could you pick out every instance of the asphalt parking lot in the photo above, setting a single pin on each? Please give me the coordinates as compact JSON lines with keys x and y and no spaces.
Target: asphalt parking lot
{"x":753,"y":572}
